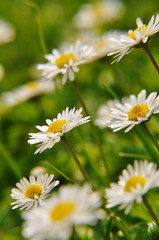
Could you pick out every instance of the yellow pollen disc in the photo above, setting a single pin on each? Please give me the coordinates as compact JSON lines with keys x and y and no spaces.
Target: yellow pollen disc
{"x":33,"y":190}
{"x":133,"y":181}
{"x":138,"y":111}
{"x":64,"y":59}
{"x":32,"y":84}
{"x":56,"y":126}
{"x":132,"y":34}
{"x":61,"y":211}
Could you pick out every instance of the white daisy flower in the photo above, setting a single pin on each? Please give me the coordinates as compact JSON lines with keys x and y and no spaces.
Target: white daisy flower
{"x":33,"y":192}
{"x":52,"y":132}
{"x":132,"y":185}
{"x":103,"y":114}
{"x":98,"y":13}
{"x":72,"y":205}
{"x":134,"y":110}
{"x":27,"y":91}
{"x":7,"y":33}
{"x":66,"y":62}
{"x":140,"y":35}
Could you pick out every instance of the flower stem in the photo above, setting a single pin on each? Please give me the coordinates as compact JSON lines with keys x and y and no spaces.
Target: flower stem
{"x":120,"y":225}
{"x":38,"y":21}
{"x":11,"y":163}
{"x":147,"y":143}
{"x":85,"y":175}
{"x":59,"y":172}
{"x":150,"y":135}
{"x":148,"y":52}
{"x":92,"y":126}
{"x":108,"y":228}
{"x":151,"y":211}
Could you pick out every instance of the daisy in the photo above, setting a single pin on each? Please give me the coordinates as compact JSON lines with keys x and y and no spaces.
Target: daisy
{"x":134,"y":182}
{"x":103,"y":114}
{"x":7,"y":33}
{"x":52,"y":132}
{"x":134,"y":110}
{"x":55,"y":219}
{"x":98,"y":13}
{"x":66,"y":62}
{"x":33,"y":192}
{"x":138,"y":37}
{"x":36,"y":170}
{"x":27,"y":91}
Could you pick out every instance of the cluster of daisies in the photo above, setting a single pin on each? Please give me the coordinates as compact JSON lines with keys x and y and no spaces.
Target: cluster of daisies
{"x":73,"y":205}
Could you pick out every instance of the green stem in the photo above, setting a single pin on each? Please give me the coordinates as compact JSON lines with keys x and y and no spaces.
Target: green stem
{"x":121,"y":226}
{"x":108,"y":228}
{"x":151,"y":211}
{"x":150,"y":135}
{"x":38,"y":21}
{"x":4,"y":155}
{"x":59,"y":172}
{"x":92,"y":126}
{"x":148,"y":52}
{"x":133,"y":155}
{"x":147,"y":143}
{"x":93,"y":165}
{"x":85,"y":175}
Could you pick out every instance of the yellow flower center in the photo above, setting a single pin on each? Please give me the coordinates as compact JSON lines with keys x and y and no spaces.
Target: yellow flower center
{"x":32,"y":84}
{"x":33,"y":190}
{"x":132,"y":34}
{"x":133,"y":181}
{"x":61,"y":211}
{"x":64,"y":59}
{"x":138,"y":111}
{"x":56,"y":126}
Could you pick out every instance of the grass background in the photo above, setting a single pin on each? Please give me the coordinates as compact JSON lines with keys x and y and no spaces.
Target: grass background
{"x":132,"y":74}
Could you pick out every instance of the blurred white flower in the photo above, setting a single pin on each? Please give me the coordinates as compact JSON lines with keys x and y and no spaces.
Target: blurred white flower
{"x":98,"y":13}
{"x":133,"y":110}
{"x":33,"y":192}
{"x":55,"y":219}
{"x":104,"y":114}
{"x":139,"y":36}
{"x":52,"y":132}
{"x":27,"y":91}
{"x":134,"y":182}
{"x":101,"y":44}
{"x":37,"y":170}
{"x":7,"y":32}
{"x":66,"y":62}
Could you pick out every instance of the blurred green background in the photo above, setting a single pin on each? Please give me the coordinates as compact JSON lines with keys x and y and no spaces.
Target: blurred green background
{"x":19,"y":58}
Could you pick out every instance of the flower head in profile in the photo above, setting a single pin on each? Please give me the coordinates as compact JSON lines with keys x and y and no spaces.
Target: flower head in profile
{"x":33,"y":192}
{"x":103,"y":114}
{"x":134,"y":182}
{"x":52,"y":132}
{"x":66,"y":61}
{"x":7,"y":32}
{"x":72,"y":205}
{"x":134,"y":110}
{"x":27,"y":91}
{"x":136,"y":37}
